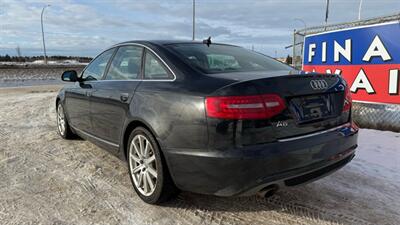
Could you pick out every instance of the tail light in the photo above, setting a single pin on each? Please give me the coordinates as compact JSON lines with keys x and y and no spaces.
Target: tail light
{"x":244,"y":107}
{"x":347,"y":100}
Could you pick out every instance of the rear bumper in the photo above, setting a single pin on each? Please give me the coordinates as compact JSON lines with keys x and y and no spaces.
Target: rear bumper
{"x":247,"y":170}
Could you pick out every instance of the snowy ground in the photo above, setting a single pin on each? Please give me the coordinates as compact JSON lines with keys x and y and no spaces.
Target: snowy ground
{"x":67,"y":62}
{"x":28,"y":74}
{"x":47,"y":180}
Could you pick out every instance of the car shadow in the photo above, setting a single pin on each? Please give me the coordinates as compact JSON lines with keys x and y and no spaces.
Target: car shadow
{"x":284,"y":206}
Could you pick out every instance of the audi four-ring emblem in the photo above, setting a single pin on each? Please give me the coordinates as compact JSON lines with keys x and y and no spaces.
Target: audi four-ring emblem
{"x":318,"y":84}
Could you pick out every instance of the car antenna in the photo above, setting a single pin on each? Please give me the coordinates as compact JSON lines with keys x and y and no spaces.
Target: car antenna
{"x":207,"y":41}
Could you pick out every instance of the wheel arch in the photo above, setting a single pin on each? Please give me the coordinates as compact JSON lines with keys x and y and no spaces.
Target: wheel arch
{"x":60,"y":96}
{"x":124,"y":148}
{"x":58,"y":99}
{"x":128,"y":130}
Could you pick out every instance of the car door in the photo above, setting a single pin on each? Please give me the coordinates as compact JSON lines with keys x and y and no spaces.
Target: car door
{"x":77,"y":98}
{"x":112,"y":95}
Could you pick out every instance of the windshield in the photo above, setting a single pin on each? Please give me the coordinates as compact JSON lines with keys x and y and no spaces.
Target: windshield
{"x":219,"y":58}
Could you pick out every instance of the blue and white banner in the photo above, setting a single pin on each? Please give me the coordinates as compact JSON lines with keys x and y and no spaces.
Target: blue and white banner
{"x":368,"y":57}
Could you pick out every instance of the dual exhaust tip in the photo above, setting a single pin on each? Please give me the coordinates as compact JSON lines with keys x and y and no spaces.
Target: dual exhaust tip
{"x":268,"y":191}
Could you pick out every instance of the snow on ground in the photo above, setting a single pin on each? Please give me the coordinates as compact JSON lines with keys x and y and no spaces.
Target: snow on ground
{"x":41,"y":62}
{"x":47,"y":180}
{"x":27,"y":74}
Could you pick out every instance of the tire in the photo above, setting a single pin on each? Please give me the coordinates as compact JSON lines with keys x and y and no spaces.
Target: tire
{"x":147,"y":168}
{"x":63,"y":128}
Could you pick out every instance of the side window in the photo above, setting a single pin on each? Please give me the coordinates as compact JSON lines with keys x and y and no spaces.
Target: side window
{"x":154,"y":69}
{"x":95,"y":70}
{"x":126,"y":64}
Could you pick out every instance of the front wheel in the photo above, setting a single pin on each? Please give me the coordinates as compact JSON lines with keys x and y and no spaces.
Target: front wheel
{"x":147,"y":168}
{"x":62,"y":124}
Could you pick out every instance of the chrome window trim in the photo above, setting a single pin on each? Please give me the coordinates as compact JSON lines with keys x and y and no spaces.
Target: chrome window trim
{"x":117,"y":48}
{"x":152,"y":51}
{"x":143,"y":46}
{"x":313,"y":134}
{"x":84,"y":69}
{"x":97,"y":138}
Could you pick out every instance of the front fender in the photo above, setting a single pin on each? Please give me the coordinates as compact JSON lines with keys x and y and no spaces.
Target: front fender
{"x":60,"y":96}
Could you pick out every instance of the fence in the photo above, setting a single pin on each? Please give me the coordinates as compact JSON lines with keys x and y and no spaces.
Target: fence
{"x":367,"y":115}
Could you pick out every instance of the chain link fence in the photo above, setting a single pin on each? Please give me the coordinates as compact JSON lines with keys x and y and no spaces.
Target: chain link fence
{"x":366,"y":115}
{"x":377,"y":116}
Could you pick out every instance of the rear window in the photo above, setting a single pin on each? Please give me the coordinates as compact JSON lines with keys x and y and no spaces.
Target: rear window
{"x":218,"y":58}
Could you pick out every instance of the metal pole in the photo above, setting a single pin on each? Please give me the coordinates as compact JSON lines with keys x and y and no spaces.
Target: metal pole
{"x":44,"y":45}
{"x":359,"y":9}
{"x":305,"y":25}
{"x":294,"y":48}
{"x":326,"y":13}
{"x":305,"y":33}
{"x":194,"y":16}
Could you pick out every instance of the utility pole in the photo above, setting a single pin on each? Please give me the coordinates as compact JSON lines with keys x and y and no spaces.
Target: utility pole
{"x":359,"y":9}
{"x":194,"y":19}
{"x":44,"y":45}
{"x":326,"y":13}
{"x":18,"y":49}
{"x":294,"y":48}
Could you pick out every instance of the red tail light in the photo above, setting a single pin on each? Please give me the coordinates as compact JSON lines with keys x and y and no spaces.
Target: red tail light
{"x":244,"y":107}
{"x":347,"y":100}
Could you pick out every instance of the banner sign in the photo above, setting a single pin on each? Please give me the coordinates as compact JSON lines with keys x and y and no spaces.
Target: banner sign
{"x":368,"y":57}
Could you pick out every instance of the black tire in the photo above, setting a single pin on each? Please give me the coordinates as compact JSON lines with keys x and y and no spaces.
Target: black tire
{"x":66,"y":133}
{"x":164,"y":188}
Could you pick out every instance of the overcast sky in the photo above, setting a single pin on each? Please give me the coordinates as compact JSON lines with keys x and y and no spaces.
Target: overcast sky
{"x":74,"y":27}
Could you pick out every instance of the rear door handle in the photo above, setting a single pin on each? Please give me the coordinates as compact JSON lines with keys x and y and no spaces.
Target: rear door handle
{"x":124,"y":97}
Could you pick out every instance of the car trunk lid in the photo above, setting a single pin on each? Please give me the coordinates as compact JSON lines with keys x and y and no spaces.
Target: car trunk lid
{"x":314,"y":102}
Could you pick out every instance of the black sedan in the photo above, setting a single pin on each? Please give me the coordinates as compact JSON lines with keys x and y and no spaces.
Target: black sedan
{"x":208,"y":118}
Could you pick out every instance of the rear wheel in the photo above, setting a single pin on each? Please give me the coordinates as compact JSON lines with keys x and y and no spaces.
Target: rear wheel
{"x":62,"y":124}
{"x":148,"y":171}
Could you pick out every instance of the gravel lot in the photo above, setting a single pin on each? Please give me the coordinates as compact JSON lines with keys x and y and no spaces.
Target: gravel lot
{"x":47,"y":180}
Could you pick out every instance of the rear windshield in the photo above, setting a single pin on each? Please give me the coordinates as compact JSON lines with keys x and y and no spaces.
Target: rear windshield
{"x":219,"y":58}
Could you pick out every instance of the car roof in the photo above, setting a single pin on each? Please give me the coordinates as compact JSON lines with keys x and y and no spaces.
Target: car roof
{"x":166,"y":42}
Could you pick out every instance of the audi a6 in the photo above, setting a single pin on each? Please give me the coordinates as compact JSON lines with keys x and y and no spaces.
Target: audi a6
{"x":208,"y":118}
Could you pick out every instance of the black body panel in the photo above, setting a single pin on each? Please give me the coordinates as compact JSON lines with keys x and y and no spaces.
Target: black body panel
{"x":78,"y":105}
{"x":109,"y":106}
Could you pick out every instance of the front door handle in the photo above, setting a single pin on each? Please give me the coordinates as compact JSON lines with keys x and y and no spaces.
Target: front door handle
{"x":124,"y":97}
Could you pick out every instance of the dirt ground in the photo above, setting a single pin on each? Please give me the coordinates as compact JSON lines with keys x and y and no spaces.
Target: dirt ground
{"x":47,"y":180}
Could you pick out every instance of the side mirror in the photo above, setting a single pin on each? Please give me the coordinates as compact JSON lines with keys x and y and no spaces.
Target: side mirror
{"x":70,"y":76}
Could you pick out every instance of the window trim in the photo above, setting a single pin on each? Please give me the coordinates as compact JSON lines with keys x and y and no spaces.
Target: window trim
{"x":144,"y":67}
{"x":140,"y":76}
{"x":141,"y":79}
{"x":107,"y":66}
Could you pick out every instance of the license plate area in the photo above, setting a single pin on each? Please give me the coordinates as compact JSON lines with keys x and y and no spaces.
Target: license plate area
{"x":312,"y":108}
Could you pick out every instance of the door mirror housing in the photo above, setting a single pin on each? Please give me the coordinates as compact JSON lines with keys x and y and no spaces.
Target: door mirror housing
{"x":70,"y":76}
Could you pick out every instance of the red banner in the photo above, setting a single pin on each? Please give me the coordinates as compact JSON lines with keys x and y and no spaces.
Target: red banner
{"x":375,"y":83}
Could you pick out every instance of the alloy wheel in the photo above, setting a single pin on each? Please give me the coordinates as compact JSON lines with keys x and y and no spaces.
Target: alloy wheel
{"x":143,"y":167}
{"x":61,"y":119}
